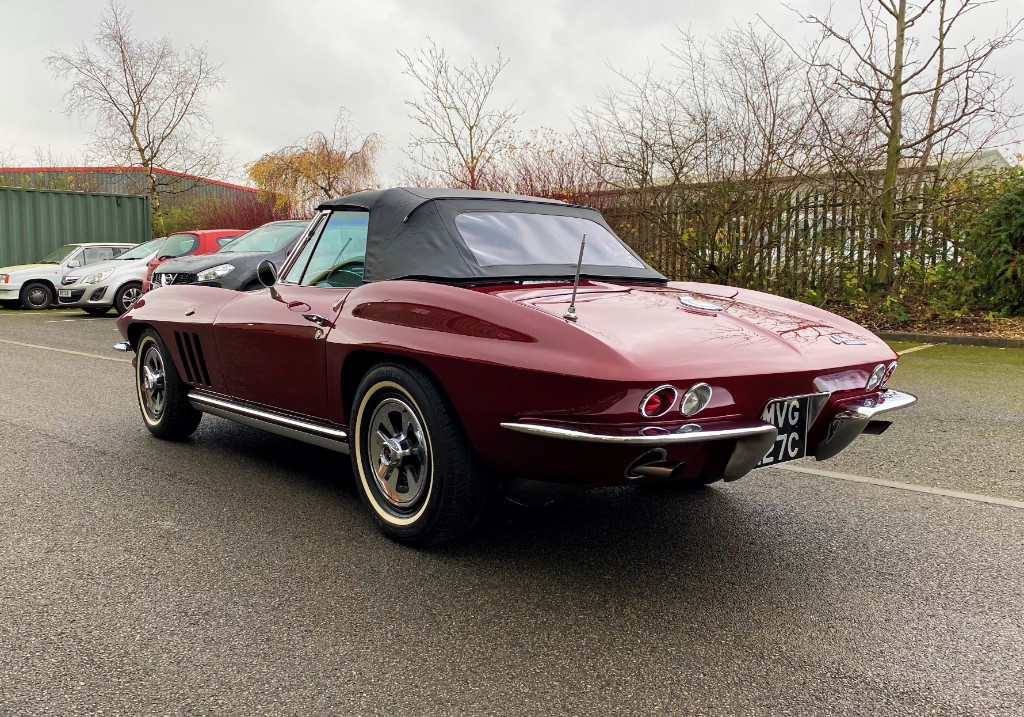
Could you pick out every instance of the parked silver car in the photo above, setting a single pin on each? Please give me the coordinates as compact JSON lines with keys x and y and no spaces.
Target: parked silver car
{"x":116,"y":283}
{"x":34,"y":286}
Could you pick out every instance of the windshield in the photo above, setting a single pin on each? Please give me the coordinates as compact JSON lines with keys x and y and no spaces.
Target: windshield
{"x":523,"y":239}
{"x":267,"y":238}
{"x":142,"y":250}
{"x":178,"y":245}
{"x":59,"y":255}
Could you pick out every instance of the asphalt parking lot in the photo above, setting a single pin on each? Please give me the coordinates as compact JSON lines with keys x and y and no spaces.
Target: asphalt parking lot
{"x":237,"y":573}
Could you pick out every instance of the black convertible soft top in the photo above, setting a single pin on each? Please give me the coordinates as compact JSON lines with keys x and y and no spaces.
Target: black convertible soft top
{"x":413,"y":234}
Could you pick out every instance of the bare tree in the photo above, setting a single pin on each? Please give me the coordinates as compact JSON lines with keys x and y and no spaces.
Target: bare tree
{"x":8,"y":157}
{"x":319,"y":167}
{"x":704,"y":156}
{"x":924,"y":89}
{"x":147,"y":100}
{"x":461,"y":134}
{"x":545,"y":163}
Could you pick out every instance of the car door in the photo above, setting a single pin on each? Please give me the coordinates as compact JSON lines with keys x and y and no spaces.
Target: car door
{"x":273,"y":343}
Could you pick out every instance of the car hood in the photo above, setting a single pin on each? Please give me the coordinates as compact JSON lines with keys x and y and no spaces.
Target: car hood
{"x":115,"y":264}
{"x":29,"y":269}
{"x":714,"y":330}
{"x":196,"y":264}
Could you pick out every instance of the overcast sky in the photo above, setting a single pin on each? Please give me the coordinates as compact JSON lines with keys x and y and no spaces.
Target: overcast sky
{"x":289,"y":66}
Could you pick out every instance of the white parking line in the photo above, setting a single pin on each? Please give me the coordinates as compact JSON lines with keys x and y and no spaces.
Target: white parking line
{"x":65,"y":351}
{"x":27,"y":314}
{"x":65,"y":321}
{"x":922,"y":347}
{"x":976,"y":497}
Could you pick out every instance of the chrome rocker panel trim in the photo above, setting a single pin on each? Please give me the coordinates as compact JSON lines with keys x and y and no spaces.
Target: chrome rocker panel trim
{"x":305,"y":430}
{"x":753,"y":439}
{"x":853,"y":417}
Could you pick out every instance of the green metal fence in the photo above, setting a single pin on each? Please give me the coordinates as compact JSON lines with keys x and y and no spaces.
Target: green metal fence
{"x":789,"y":242}
{"x":34,"y":222}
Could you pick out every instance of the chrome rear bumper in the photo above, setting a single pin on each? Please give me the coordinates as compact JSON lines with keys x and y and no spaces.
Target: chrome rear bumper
{"x":753,"y":438}
{"x":854,"y":416}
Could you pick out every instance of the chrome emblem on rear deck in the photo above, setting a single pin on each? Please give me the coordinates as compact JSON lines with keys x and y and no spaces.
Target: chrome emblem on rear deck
{"x":694,"y":302}
{"x":846,"y":340}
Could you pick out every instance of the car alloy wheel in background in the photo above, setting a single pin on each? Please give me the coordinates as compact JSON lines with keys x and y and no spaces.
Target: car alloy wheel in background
{"x":126,"y":297}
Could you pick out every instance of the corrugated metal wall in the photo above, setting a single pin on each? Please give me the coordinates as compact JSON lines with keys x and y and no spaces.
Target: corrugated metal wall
{"x":34,"y":222}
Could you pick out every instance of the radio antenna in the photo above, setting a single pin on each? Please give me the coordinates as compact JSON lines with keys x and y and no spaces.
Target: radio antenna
{"x":570,"y":313}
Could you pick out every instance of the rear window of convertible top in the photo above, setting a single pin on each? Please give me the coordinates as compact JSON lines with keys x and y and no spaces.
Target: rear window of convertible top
{"x":525,"y":239}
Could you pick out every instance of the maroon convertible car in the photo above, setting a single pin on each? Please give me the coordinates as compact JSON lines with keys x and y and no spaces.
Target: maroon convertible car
{"x":456,"y":342}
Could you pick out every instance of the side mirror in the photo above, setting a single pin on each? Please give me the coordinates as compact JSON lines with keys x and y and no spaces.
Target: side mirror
{"x":74,"y":264}
{"x":266,"y":273}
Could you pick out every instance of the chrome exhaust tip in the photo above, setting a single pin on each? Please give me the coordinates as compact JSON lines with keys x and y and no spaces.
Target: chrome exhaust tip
{"x":654,"y":464}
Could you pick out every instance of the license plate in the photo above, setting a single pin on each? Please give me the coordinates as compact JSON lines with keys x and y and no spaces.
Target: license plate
{"x":64,"y":293}
{"x":790,"y":416}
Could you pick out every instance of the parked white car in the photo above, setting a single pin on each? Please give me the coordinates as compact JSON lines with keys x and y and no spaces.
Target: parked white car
{"x":34,"y":286}
{"x":113,"y":284}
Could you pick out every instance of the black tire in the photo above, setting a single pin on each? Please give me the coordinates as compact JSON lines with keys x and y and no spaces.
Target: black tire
{"x":36,"y":295}
{"x":434,"y":491}
{"x":126,"y":296}
{"x":96,"y":310}
{"x":162,"y":395}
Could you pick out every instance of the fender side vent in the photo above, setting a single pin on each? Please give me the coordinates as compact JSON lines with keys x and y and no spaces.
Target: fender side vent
{"x":190,"y":348}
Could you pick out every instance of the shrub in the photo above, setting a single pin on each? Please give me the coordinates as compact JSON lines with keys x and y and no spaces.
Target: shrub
{"x":996,"y":241}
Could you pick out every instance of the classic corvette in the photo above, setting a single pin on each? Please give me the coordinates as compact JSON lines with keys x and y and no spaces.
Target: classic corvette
{"x":456,"y":343}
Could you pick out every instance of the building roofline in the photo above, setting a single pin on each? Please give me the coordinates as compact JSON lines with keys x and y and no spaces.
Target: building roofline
{"x":156,"y":170}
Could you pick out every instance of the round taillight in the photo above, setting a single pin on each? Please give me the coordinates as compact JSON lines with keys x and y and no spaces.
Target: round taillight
{"x":888,"y":373}
{"x":658,"y":402}
{"x":877,"y":377}
{"x":695,"y":399}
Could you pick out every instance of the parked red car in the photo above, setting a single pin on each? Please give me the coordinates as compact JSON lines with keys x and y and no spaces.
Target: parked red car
{"x":455,"y":343}
{"x":202,"y":241}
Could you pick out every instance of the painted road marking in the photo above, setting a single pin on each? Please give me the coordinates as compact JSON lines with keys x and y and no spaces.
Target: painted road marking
{"x":65,"y":351}
{"x":26,"y":314}
{"x":922,"y":347}
{"x":66,"y":321}
{"x":976,"y":497}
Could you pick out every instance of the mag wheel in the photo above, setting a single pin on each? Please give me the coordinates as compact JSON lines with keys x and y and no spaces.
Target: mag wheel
{"x":126,"y":296}
{"x":163,"y":396}
{"x":412,"y":461}
{"x":36,"y":296}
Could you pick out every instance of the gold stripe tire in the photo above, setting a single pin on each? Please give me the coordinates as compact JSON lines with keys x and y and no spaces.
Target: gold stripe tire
{"x":404,"y":427}
{"x":162,"y":395}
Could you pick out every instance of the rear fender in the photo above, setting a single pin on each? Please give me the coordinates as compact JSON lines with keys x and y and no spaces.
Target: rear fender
{"x":493,"y":357}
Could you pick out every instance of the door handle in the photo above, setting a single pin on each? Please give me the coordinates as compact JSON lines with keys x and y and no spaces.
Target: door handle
{"x":318,"y":320}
